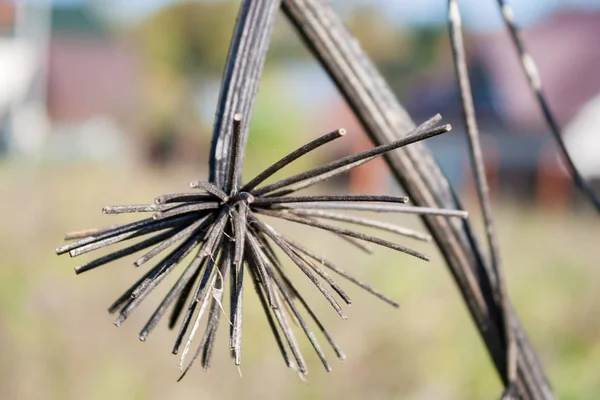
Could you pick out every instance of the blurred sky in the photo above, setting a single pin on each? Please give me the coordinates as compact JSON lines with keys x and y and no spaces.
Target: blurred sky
{"x":478,"y":14}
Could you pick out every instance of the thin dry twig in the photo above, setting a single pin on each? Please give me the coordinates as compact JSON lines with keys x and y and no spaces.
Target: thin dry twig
{"x":476,"y":156}
{"x":385,"y":120}
{"x":535,"y":83}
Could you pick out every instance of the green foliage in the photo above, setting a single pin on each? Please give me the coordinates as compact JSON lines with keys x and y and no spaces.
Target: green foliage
{"x":277,"y":127}
{"x":183,"y":48}
{"x":189,"y":38}
{"x":383,"y":41}
{"x":77,"y":20}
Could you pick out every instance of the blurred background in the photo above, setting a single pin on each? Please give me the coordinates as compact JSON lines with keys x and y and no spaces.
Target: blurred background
{"x":110,"y":102}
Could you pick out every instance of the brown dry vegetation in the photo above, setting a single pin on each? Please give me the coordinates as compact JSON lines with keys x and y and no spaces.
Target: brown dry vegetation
{"x":57,"y":341}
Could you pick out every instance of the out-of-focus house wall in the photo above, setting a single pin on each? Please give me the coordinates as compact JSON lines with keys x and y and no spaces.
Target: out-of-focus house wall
{"x":521,"y":156}
{"x":80,"y":89}
{"x":93,"y":87}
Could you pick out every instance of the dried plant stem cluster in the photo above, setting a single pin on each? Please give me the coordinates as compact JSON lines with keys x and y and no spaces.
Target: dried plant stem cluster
{"x":224,"y":231}
{"x":535,"y":83}
{"x":217,"y":232}
{"x":385,"y":120}
{"x":476,"y":155}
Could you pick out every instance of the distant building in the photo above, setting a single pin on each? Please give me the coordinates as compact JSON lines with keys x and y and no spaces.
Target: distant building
{"x":90,"y":72}
{"x":567,"y":54}
{"x":77,"y":83}
{"x":93,"y":86}
{"x":521,"y":154}
{"x":582,"y":137}
{"x":565,"y":51}
{"x":22,"y":56}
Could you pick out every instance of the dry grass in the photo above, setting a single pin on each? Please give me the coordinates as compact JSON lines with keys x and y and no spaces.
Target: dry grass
{"x":57,"y":341}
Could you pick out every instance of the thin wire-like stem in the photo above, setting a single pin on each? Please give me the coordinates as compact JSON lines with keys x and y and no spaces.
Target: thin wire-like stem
{"x":158,"y":274}
{"x":273,"y":259}
{"x":358,"y":235}
{"x":82,"y":233}
{"x":460,"y":64}
{"x":115,"y":231}
{"x":184,"y":209}
{"x":320,"y":141}
{"x":105,"y":242}
{"x":294,"y":291}
{"x":144,"y":244}
{"x":324,"y":276}
{"x":264,"y":302}
{"x":378,"y":208}
{"x":366,"y":247}
{"x":182,"y":234}
{"x":132,"y":208}
{"x":183,"y":298}
{"x":290,"y":302}
{"x":205,"y":285}
{"x":214,"y":236}
{"x":166,"y":265}
{"x":239,"y":86}
{"x":188,"y":276}
{"x":207,"y":342}
{"x":317,"y":179}
{"x":236,"y":155}
{"x":210,"y":188}
{"x":201,"y":297}
{"x":239,"y":220}
{"x":129,"y":234}
{"x":430,"y":123}
{"x":219,"y":229}
{"x":236,"y":333}
{"x":181,"y":197}
{"x":375,"y":151}
{"x":265,"y":201}
{"x":535,"y":83}
{"x":371,"y":223}
{"x":126,"y":296}
{"x":289,"y":334}
{"x":275,"y":237}
{"x":259,"y":263}
{"x":341,"y":272}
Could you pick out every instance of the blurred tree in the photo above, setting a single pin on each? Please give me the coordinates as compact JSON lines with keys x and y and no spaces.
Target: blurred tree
{"x":189,"y":38}
{"x":384,"y":41}
{"x":393,"y":49}
{"x":286,"y":47}
{"x":429,"y":44}
{"x":183,"y":47}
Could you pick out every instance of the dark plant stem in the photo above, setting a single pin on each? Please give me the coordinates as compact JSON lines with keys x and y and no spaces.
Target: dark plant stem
{"x":379,"y":208}
{"x":371,"y":223}
{"x":315,"y":200}
{"x":343,"y":231}
{"x":483,"y":192}
{"x":239,"y":86}
{"x":354,"y":158}
{"x":385,"y":120}
{"x":307,"y":148}
{"x":535,"y":83}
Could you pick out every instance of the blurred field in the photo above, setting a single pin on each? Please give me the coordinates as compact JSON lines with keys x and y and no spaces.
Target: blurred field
{"x":57,"y":341}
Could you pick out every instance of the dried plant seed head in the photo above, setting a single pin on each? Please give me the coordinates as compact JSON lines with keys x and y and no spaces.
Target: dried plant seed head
{"x":230,"y":240}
